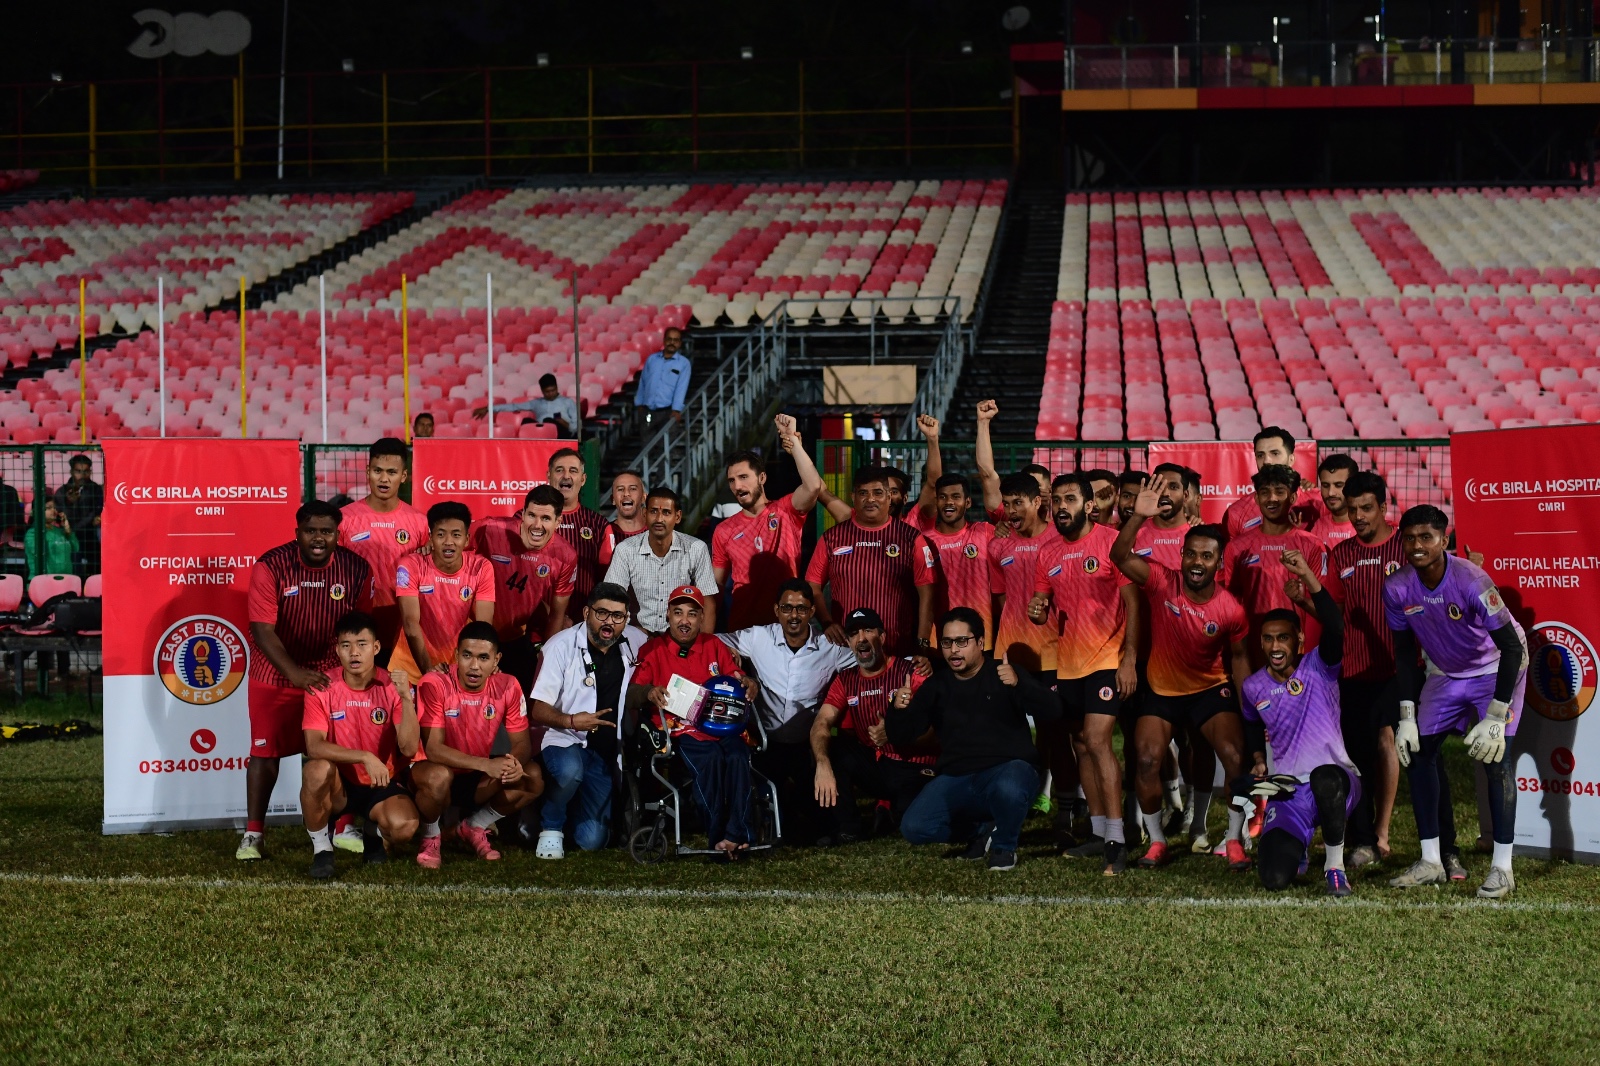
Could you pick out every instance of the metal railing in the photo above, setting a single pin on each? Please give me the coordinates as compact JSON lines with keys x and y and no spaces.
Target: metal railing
{"x":1372,"y":61}
{"x":936,"y":386}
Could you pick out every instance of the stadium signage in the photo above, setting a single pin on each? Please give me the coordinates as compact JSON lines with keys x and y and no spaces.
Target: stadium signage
{"x":490,"y":476}
{"x":1529,"y":500}
{"x":1225,"y":468}
{"x":177,"y":578}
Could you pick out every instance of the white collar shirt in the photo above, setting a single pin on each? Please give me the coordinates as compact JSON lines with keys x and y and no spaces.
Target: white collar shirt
{"x":651,"y":577}
{"x":562,"y":675}
{"x":793,"y":681}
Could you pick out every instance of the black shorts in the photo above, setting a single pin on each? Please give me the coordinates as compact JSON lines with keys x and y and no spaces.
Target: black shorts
{"x":1195,"y":709}
{"x":1094,"y":693}
{"x":360,"y":799}
{"x":464,"y":790}
{"x":1376,"y":702}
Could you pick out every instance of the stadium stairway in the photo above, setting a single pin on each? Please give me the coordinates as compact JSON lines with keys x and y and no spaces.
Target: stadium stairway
{"x":1007,"y":364}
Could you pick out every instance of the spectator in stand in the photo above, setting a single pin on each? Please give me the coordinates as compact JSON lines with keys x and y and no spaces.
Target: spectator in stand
{"x":552,"y":407}
{"x":422,"y":426}
{"x":80,"y":502}
{"x":60,"y":551}
{"x":10,"y":510}
{"x":664,"y":380}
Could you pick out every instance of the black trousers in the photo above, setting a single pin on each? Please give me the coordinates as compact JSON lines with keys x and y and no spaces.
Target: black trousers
{"x":789,"y":765}
{"x":858,"y":771}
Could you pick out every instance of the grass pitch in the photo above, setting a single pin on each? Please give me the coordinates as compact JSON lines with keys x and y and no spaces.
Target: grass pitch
{"x":163,"y":949}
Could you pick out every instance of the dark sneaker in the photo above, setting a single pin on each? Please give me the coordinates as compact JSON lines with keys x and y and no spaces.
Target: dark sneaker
{"x":322,"y":865}
{"x":1087,"y":850}
{"x":977,"y":849}
{"x":1454,"y":868}
{"x":1338,"y":883}
{"x":372,"y":845}
{"x":1002,"y":860}
{"x":1116,"y":858}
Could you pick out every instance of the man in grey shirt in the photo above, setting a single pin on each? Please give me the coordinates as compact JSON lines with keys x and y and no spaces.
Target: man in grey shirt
{"x":551,"y":407}
{"x":651,"y":566}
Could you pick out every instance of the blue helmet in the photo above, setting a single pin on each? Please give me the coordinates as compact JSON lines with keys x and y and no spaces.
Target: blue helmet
{"x":726,"y":707}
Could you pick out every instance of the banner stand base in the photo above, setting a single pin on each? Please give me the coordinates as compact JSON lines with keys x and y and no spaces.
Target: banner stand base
{"x":189,"y":825}
{"x":1585,"y":858}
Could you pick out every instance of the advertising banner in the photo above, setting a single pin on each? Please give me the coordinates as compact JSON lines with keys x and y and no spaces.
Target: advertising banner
{"x":490,"y":476}
{"x":1529,"y":500}
{"x":184,"y":522}
{"x":1225,"y":468}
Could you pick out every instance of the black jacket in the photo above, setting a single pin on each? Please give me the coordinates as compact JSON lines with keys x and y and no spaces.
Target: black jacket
{"x":981,"y":722}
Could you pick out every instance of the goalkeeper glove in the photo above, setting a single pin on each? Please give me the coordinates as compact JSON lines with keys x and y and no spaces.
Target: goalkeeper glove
{"x":1276,"y":785}
{"x":1407,"y":741}
{"x":1486,"y":741}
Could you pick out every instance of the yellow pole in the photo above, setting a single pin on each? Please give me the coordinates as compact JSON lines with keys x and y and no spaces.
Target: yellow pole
{"x":405,"y":354}
{"x":83,"y":372}
{"x":94,"y":161}
{"x":244,"y":396}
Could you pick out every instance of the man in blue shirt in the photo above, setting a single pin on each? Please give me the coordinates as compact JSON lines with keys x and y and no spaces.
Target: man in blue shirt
{"x":664,"y":379}
{"x":550,"y":407}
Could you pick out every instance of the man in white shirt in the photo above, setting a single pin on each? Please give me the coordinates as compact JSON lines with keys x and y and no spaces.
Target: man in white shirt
{"x":561,"y":411}
{"x":578,"y":698}
{"x":651,"y":566}
{"x":793,"y":664}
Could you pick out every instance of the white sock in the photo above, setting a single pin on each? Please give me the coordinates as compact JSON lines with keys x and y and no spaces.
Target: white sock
{"x":1202,"y":807}
{"x":1152,"y":825}
{"x":1097,"y":825}
{"x":1173,"y":787}
{"x":483,"y":817}
{"x":1114,"y":831}
{"x":430,"y":829}
{"x":1235,"y":823}
{"x":1430,"y":851}
{"x":1502,"y":856}
{"x":321,"y":839}
{"x":1335,"y":860}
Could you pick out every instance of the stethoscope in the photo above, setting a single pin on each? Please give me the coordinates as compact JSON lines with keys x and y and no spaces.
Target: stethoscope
{"x":589,"y":668}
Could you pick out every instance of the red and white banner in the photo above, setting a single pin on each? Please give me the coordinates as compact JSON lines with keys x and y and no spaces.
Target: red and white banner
{"x":1225,"y":468}
{"x":1529,"y":500}
{"x":184,"y":521}
{"x":492,"y":477}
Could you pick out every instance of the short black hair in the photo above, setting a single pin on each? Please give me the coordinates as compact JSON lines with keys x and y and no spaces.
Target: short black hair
{"x":608,"y":590}
{"x":799,"y":585}
{"x":390,"y":446}
{"x":757,"y":462}
{"x":1367,"y":483}
{"x":1136,"y":478}
{"x":317,"y":509}
{"x":562,"y":453}
{"x":420,"y":415}
{"x":950,"y":481}
{"x":353,"y":622}
{"x":547,"y":380}
{"x":1281,"y":614}
{"x":1169,"y":468}
{"x":478,"y":631}
{"x":1276,"y":474}
{"x":545,"y":496}
{"x":1100,"y":473}
{"x":973,"y":619}
{"x":1209,"y":530}
{"x":1338,"y":461}
{"x":895,"y":473}
{"x":1425,"y":514}
{"x":866,"y":475}
{"x":664,"y":493}
{"x":1191,"y":479}
{"x":1021,"y":483}
{"x":447,"y":511}
{"x":1078,"y":478}
{"x":1036,"y":471}
{"x":1275,"y":431}
{"x":80,"y":458}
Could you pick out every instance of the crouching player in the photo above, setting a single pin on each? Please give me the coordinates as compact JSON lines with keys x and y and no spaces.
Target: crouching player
{"x":460,"y":713}
{"x":361,"y":732}
{"x":1294,"y":700}
{"x":716,"y":754}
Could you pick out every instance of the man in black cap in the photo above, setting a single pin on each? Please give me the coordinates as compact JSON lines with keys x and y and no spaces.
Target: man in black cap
{"x":860,"y":759}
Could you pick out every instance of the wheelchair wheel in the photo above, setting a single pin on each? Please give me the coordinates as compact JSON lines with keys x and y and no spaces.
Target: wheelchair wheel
{"x":649,"y":844}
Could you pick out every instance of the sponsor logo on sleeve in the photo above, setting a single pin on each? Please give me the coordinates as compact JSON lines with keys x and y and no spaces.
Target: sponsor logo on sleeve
{"x":402,"y":578}
{"x":337,"y":716}
{"x":1262,"y":705}
{"x":1053,"y":571}
{"x":503,"y":559}
{"x":453,"y":712}
{"x":844,"y":550}
{"x":1490,"y":598}
{"x":365,"y":534}
{"x":1414,"y":608}
{"x":291,"y":590}
{"x":1347,"y":572}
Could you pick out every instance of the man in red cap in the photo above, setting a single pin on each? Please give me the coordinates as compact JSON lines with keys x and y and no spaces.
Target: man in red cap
{"x":719,"y":764}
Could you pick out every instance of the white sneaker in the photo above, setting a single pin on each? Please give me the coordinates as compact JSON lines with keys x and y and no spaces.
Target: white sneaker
{"x":1420,"y":873}
{"x":350,"y":839}
{"x":551,"y":845}
{"x":1498,"y":885}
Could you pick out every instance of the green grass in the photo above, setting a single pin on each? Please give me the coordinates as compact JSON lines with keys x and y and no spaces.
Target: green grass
{"x":163,"y":949}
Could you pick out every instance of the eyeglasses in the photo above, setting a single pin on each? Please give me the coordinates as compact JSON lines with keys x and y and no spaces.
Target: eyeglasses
{"x":955,"y":643}
{"x":794,"y":608}
{"x":607,"y":616}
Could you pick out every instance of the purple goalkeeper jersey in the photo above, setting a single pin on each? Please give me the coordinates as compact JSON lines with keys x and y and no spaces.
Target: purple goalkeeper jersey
{"x":1301,"y":716}
{"x":1452,"y":623}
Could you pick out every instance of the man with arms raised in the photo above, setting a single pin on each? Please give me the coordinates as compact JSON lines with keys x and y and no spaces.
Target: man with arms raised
{"x":535,"y":573}
{"x":652,"y":566}
{"x":578,"y":698}
{"x":961,"y":551}
{"x":919,"y":514}
{"x":1161,"y":539}
{"x":361,"y":733}
{"x":1293,"y":703}
{"x":1197,"y":633}
{"x":583,"y":530}
{"x":759,"y":548}
{"x":860,"y":760}
{"x":382,"y":529}
{"x":298,"y":593}
{"x":1103,"y":504}
{"x":440,"y":592}
{"x":461,"y":712}
{"x":1094,"y":612}
{"x":627,"y":500}
{"x":1477,"y":666}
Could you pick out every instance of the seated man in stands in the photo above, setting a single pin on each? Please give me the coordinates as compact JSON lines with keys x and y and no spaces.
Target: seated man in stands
{"x":552,"y":407}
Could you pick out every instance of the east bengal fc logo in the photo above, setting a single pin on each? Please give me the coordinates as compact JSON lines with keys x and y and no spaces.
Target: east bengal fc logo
{"x":402,"y":537}
{"x":1561,"y":671}
{"x":970,"y":551}
{"x":202,"y":659}
{"x":1296,"y":686}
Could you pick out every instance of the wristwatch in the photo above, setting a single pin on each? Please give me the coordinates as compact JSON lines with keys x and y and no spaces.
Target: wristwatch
{"x":923,"y":644}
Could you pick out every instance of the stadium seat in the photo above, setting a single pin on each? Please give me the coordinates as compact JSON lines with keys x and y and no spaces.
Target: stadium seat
{"x":45,"y":586}
{"x":11,"y":590}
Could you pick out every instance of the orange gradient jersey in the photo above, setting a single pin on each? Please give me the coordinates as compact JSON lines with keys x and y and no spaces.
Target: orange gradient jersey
{"x":1013,"y":565}
{"x":1087,"y":612}
{"x":1190,"y":643}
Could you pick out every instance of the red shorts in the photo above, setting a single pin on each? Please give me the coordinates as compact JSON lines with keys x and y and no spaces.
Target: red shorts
{"x":276,"y":715}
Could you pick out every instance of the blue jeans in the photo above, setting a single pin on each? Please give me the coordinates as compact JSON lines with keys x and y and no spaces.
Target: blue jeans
{"x":955,"y":807}
{"x":575,"y":771}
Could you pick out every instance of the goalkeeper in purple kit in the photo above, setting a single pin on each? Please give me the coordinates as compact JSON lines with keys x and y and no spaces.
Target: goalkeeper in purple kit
{"x":1476,"y":662}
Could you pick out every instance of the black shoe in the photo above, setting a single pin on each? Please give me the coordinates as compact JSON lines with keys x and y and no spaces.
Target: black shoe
{"x":977,"y":849}
{"x":1002,"y":860}
{"x":1087,"y":850}
{"x":883,"y":822}
{"x":372,"y":851}
{"x":1116,"y":858}
{"x":322,"y":865}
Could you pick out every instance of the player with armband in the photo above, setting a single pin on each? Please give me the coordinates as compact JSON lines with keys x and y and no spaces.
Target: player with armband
{"x":1294,"y":700}
{"x":1477,"y":663}
{"x":689,"y":680}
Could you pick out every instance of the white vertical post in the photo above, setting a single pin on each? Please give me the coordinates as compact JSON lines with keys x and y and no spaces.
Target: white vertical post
{"x":488,"y":302}
{"x":322,"y":321}
{"x":161,"y":349}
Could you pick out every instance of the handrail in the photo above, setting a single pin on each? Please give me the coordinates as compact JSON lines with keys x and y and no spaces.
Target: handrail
{"x":938,"y":384}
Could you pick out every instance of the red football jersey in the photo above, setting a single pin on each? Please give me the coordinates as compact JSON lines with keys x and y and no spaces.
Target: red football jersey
{"x":1085,"y":590}
{"x":525,"y":581}
{"x":615,"y":535}
{"x":382,"y":540}
{"x":583,"y":530}
{"x":661,"y":657}
{"x":1256,"y":576}
{"x":446,"y":599}
{"x":360,"y":721}
{"x":865,"y":700}
{"x":1190,"y":643}
{"x":759,"y":552}
{"x":963,"y":571}
{"x":879,"y":568}
{"x":303,"y":604}
{"x":1163,"y":546}
{"x":470,"y":720}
